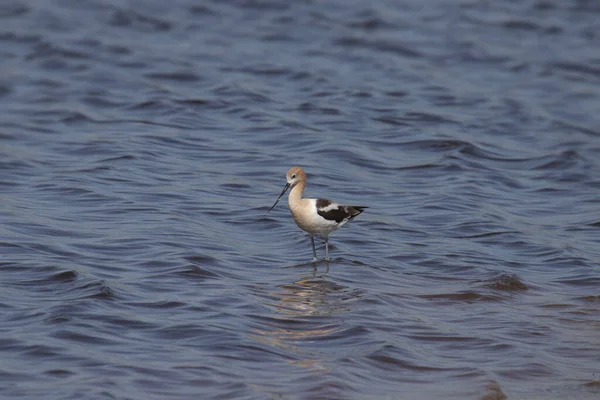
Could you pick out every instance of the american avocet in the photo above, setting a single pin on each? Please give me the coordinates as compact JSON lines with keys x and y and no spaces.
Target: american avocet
{"x":315,"y":216}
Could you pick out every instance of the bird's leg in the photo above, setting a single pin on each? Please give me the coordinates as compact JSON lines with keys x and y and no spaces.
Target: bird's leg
{"x":312,"y":240}
{"x":326,"y":249}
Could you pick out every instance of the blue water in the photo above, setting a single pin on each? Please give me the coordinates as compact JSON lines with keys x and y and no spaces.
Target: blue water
{"x":142,"y":142}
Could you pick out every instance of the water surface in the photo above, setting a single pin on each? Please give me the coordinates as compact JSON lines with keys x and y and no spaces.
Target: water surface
{"x":142,"y":142}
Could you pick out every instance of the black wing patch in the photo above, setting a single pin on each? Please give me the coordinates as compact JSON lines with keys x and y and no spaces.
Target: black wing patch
{"x":338,"y":213}
{"x":322,"y":203}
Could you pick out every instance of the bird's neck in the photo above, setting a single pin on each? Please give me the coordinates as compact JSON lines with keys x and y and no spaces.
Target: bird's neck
{"x":296,"y":193}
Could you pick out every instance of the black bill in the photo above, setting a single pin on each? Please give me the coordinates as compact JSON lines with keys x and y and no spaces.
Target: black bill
{"x":287,"y":186}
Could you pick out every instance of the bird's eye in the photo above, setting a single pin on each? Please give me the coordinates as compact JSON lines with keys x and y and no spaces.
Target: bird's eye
{"x":294,"y":176}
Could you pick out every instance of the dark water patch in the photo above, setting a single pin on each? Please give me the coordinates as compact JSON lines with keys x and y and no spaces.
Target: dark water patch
{"x":68,"y":191}
{"x":202,"y":10}
{"x":60,"y":373}
{"x":594,"y":385}
{"x":521,"y":25}
{"x":137,"y":21}
{"x":262,"y":70}
{"x":311,"y":323}
{"x":493,"y":391}
{"x":592,"y":299}
{"x":65,"y":276}
{"x":23,"y":38}
{"x":116,"y":246}
{"x":182,"y":76}
{"x":578,"y":69}
{"x":423,"y":117}
{"x":159,"y":304}
{"x":486,"y":235}
{"x":278,"y":37}
{"x":581,"y":280}
{"x":236,"y":186}
{"x":435,"y":145}
{"x":209,"y":104}
{"x":443,"y":338}
{"x":47,"y":49}
{"x":507,"y":282}
{"x":325,"y":388}
{"x":13,"y":10}
{"x":4,"y":91}
{"x":385,"y":362}
{"x":53,"y":64}
{"x":45,"y":278}
{"x":37,"y":350}
{"x":12,"y":376}
{"x":149,"y":105}
{"x":576,"y":127}
{"x":251,"y":353}
{"x":7,"y":266}
{"x":118,"y":158}
{"x":57,"y":319}
{"x":120,"y":322}
{"x":526,"y":371}
{"x":236,"y":93}
{"x":96,"y":290}
{"x":387,"y":46}
{"x":468,"y":297}
{"x":99,"y":100}
{"x":562,"y":161}
{"x":397,"y":93}
{"x":393,"y":120}
{"x":196,"y":272}
{"x":175,"y":142}
{"x":262,"y":5}
{"x":312,"y":108}
{"x":369,"y":23}
{"x":477,"y":229}
{"x":357,"y":158}
{"x":557,"y":306}
{"x":83,"y":337}
{"x":75,"y":118}
{"x":15,"y":165}
{"x":189,"y":332}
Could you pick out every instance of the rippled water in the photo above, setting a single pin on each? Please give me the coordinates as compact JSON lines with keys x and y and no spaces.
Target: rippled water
{"x":142,"y":142}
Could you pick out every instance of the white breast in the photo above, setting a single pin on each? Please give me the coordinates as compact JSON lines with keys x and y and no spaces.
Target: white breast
{"x":306,"y":217}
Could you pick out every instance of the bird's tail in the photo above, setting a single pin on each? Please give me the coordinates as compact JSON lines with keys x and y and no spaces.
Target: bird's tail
{"x":356,"y":210}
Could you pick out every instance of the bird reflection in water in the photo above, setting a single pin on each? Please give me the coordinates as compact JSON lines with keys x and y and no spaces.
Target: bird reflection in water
{"x":314,"y":295}
{"x":297,"y":320}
